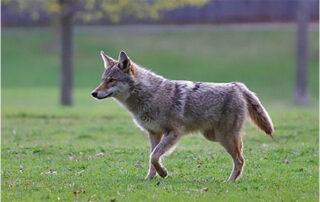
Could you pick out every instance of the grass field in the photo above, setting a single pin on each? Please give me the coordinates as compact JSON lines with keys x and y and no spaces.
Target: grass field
{"x":93,"y":151}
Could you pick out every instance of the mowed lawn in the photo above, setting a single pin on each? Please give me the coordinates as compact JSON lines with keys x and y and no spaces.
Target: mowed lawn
{"x":93,"y":151}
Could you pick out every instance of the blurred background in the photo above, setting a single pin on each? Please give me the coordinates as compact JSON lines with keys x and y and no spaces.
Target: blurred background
{"x":54,"y":133}
{"x":50,"y":48}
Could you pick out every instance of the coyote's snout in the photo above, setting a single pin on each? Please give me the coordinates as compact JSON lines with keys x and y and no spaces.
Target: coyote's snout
{"x":168,"y":109}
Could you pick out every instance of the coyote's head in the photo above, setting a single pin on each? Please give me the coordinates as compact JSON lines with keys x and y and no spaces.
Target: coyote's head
{"x":117,"y":78}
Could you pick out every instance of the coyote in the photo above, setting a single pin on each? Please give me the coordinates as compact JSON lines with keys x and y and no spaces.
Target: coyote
{"x":168,"y":109}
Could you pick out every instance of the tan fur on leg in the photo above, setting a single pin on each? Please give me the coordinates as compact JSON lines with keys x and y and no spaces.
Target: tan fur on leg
{"x":234,"y":148}
{"x":154,"y":141}
{"x":166,"y":143}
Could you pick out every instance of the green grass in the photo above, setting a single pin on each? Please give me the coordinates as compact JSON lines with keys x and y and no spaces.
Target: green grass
{"x":95,"y":146}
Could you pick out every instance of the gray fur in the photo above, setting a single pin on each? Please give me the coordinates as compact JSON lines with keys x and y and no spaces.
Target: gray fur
{"x":168,"y":109}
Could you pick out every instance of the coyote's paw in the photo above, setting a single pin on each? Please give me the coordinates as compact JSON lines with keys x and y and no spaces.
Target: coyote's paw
{"x":163,"y":173}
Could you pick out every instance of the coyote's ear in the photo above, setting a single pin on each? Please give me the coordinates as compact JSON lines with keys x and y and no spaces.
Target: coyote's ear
{"x":108,"y":61}
{"x":124,"y":61}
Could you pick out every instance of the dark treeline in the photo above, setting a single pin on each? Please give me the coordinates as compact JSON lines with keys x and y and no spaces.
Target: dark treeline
{"x":216,"y":11}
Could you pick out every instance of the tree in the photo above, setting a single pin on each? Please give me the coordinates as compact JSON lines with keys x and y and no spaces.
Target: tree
{"x":66,"y":55}
{"x":302,"y":95}
{"x":87,"y":10}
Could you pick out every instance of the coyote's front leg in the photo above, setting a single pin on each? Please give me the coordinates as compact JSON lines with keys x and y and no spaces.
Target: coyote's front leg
{"x":154,"y":141}
{"x":166,"y":143}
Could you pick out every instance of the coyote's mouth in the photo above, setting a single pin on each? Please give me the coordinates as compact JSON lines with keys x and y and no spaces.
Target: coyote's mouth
{"x":96,"y":95}
{"x":107,"y":95}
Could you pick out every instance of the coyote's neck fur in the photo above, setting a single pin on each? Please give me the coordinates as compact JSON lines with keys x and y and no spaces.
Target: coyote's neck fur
{"x":142,"y":92}
{"x":146,"y":83}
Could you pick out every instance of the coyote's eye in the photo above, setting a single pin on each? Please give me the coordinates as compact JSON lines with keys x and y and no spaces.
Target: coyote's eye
{"x":111,"y":80}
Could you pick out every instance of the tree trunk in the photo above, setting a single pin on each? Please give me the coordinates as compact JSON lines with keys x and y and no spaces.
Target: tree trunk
{"x":301,"y":92}
{"x":66,"y":59}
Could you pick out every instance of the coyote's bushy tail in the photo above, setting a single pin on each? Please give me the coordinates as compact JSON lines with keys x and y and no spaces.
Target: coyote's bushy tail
{"x":257,"y":112}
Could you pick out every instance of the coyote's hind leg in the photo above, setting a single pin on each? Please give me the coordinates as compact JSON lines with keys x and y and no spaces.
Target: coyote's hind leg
{"x":234,"y":148}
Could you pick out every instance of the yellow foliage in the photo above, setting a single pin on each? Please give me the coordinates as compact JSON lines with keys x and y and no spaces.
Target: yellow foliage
{"x":99,"y":15}
{"x":114,"y":9}
{"x":54,"y":7}
{"x":35,"y":15}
